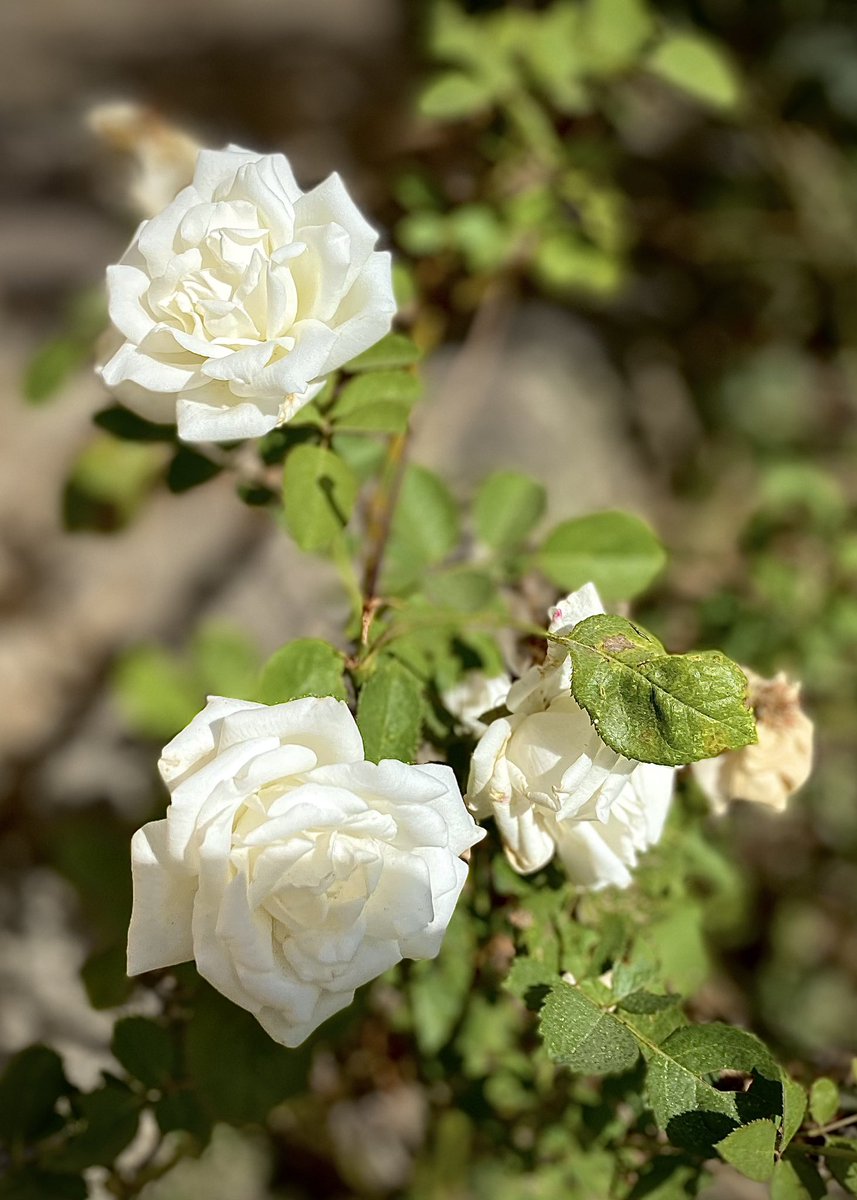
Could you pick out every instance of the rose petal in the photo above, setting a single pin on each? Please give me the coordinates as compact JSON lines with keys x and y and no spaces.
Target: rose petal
{"x":366,"y":313}
{"x":194,"y":746}
{"x":160,"y":931}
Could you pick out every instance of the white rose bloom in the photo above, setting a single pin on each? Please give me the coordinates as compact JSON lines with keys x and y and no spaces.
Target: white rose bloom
{"x":474,"y":695}
{"x":231,"y":306}
{"x":544,"y":774}
{"x":598,"y":854}
{"x":291,"y":870}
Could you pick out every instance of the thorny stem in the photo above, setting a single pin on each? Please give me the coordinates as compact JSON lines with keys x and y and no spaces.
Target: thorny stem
{"x":380,"y":522}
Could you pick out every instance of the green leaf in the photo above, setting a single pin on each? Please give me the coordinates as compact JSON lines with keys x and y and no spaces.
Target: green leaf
{"x":255,"y":495}
{"x":668,"y":1177}
{"x":105,"y":979}
{"x":51,"y":366}
{"x":108,"y":1120}
{"x":677,"y":1078}
{"x":616,"y":551}
{"x":146,"y":1050}
{"x":425,"y":529}
{"x":614,"y":32}
{"x":422,"y":233}
{"x":384,"y":416}
{"x":633,"y":975}
{"x":844,"y":1168}
{"x":389,"y":713}
{"x":90,"y":848}
{"x":275,"y":446}
{"x":677,"y":943}
{"x":462,"y":589}
{"x":480,"y":235}
{"x":455,"y":95}
{"x":157,"y":693}
{"x":306,"y":667}
{"x":643,"y":1003}
{"x":182,"y":1110}
{"x":488,"y":1029}
{"x":531,"y":980}
{"x":653,"y":706}
{"x":310,"y":414}
{"x":226,"y":660}
{"x":319,"y":491}
{"x":238,"y":1073}
{"x":189,"y":469}
{"x":402,"y":387}
{"x":795,"y":1178}
{"x":507,"y":507}
{"x":30,"y":1086}
{"x":109,"y":482}
{"x":365,"y":456}
{"x":794,"y":1109}
{"x":439,"y":988}
{"x":750,"y":1149}
{"x":698,"y":66}
{"x":404,"y":285}
{"x":394,"y":350}
{"x":122,"y":423}
{"x":823,"y":1100}
{"x":30,"y":1183}
{"x":582,"y":1036}
{"x":565,"y":263}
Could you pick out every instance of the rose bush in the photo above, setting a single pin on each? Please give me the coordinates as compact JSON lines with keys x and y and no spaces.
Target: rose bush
{"x":551,"y":783}
{"x":291,"y":870}
{"x":231,"y":306}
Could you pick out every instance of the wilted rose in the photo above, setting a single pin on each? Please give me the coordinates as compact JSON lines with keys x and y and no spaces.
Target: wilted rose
{"x":291,"y":870}
{"x":772,"y":769}
{"x":231,"y":306}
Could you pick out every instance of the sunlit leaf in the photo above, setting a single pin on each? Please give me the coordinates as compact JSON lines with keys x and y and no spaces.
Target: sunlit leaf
{"x":389,"y":713}
{"x":616,"y":551}
{"x":305,"y":667}
{"x":698,"y":66}
{"x":319,"y":491}
{"x":653,"y":706}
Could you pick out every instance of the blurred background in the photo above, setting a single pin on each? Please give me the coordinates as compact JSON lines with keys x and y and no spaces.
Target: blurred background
{"x":636,"y":237}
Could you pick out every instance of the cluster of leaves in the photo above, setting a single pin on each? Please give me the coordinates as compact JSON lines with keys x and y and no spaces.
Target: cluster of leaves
{"x":548,"y":206}
{"x":204,"y":1061}
{"x":607,"y":986}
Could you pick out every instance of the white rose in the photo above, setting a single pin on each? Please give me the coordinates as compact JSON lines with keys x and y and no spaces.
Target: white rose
{"x":599,"y":854}
{"x":288,"y":868}
{"x":474,"y":695}
{"x":231,"y":306}
{"x":543,"y":771}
